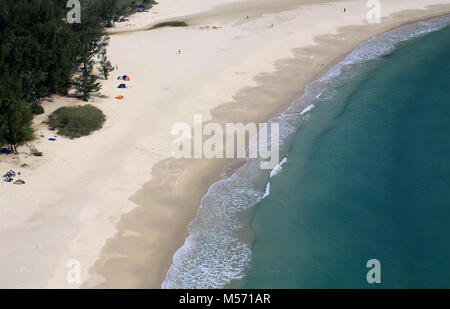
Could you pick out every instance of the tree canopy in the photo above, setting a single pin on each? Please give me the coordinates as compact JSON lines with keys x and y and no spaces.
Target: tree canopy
{"x":42,"y":54}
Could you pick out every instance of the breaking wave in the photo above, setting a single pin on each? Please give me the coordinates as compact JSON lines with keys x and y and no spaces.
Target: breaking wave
{"x":214,"y":253}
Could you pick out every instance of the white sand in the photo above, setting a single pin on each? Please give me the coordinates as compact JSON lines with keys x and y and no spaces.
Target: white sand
{"x":77,"y":192}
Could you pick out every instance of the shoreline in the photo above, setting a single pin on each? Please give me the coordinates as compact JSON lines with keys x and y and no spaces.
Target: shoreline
{"x":246,"y":235}
{"x":140,"y":197}
{"x":341,"y":164}
{"x":146,"y":229}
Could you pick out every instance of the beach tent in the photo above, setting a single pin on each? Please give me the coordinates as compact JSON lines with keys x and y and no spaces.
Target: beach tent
{"x":52,"y":139}
{"x":10,"y":173}
{"x":122,"y":86}
{"x":19,"y":182}
{"x":142,"y":6}
{"x":9,"y":176}
{"x":127,"y":78}
{"x":119,"y":97}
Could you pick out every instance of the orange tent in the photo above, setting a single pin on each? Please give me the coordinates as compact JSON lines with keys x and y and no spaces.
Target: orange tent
{"x":127,"y":78}
{"x":119,"y":97}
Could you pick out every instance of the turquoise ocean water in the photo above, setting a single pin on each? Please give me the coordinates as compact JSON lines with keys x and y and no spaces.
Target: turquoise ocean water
{"x":366,"y":176}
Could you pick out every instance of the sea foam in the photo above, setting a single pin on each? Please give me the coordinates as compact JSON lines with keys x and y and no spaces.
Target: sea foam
{"x":277,"y":169}
{"x":213,"y":254}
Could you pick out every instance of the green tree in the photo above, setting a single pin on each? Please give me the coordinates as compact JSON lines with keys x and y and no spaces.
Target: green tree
{"x":40,"y":53}
{"x":109,"y":11}
{"x":15,"y":114}
{"x":38,"y":46}
{"x":91,"y":39}
{"x":105,"y":65}
{"x":86,"y":84}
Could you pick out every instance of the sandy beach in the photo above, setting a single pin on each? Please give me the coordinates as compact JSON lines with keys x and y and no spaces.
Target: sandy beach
{"x":116,"y":201}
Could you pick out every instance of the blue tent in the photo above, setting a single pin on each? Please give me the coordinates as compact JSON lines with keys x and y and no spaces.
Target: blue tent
{"x":142,"y":6}
{"x":122,"y":86}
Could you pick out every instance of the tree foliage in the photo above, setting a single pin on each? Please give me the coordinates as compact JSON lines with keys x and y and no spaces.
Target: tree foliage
{"x":76,"y":121}
{"x":105,"y":65}
{"x":40,"y":55}
{"x":109,"y":11}
{"x":86,"y":84}
{"x":15,"y":114}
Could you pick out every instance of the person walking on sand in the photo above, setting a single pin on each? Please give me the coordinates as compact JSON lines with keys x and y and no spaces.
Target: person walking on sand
{"x":179,"y":52}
